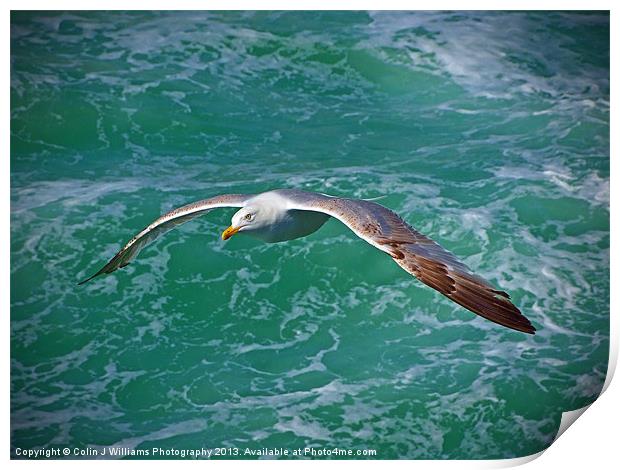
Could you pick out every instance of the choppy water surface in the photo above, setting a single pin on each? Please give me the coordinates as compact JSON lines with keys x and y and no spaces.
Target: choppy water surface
{"x":487,"y":131}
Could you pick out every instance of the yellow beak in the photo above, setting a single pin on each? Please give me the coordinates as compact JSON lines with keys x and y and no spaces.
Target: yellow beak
{"x":229,"y":232}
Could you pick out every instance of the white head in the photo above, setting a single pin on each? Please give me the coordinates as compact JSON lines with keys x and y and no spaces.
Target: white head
{"x":246,"y":219}
{"x":262,"y":215}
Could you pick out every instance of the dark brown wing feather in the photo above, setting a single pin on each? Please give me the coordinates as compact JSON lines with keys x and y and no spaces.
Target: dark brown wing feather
{"x":418,"y":255}
{"x":164,"y":224}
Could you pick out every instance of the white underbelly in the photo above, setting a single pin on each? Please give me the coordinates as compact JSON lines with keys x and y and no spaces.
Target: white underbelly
{"x":294,"y":224}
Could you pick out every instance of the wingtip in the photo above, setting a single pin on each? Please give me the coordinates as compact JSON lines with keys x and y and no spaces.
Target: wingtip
{"x":89,"y":278}
{"x":525,"y":327}
{"x":84,"y":281}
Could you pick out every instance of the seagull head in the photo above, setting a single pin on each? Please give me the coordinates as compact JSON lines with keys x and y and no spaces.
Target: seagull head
{"x":246,"y":218}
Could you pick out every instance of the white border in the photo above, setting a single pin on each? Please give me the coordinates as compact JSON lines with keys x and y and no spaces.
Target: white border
{"x":309,"y":5}
{"x":592,"y":442}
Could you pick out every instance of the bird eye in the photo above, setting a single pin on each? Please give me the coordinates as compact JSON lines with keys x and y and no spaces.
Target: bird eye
{"x":248,"y":217}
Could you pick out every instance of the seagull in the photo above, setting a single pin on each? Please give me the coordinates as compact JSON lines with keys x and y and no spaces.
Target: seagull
{"x":286,"y":214}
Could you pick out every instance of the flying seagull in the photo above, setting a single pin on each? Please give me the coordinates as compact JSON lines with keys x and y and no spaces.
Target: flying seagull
{"x":286,"y":214}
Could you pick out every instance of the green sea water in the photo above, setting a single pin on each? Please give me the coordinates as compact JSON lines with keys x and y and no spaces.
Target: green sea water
{"x":487,"y":131}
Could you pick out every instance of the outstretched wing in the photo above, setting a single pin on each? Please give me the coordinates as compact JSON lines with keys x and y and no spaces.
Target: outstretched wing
{"x":165,"y":223}
{"x":418,"y":255}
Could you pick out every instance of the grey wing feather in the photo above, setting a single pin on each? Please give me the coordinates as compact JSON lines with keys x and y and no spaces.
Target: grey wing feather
{"x":418,"y":255}
{"x":164,"y":224}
